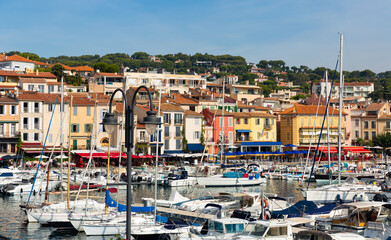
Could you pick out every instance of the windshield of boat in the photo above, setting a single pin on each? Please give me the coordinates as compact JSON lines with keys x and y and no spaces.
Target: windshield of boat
{"x":351,"y":180}
{"x":216,"y":227}
{"x":234,"y":228}
{"x":255,"y":230}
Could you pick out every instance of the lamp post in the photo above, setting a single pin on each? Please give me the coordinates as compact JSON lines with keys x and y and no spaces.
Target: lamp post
{"x":110,"y":123}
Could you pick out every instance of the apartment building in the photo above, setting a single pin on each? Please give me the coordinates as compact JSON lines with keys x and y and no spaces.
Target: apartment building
{"x":31,"y":116}
{"x":193,"y":131}
{"x":173,"y":116}
{"x":351,"y":89}
{"x":9,"y":123}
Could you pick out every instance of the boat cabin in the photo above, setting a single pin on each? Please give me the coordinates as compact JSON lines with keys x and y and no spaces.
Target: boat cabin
{"x":275,"y":229}
{"x":218,"y":227}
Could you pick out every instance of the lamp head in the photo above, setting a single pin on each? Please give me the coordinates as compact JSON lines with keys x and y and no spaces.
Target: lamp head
{"x":110,"y":123}
{"x":151,"y":122}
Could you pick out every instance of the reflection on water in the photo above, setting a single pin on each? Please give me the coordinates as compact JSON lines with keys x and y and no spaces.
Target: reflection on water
{"x":13,"y":221}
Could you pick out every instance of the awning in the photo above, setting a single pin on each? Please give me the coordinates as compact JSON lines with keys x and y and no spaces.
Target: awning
{"x":154,"y":144}
{"x":356,"y":149}
{"x":261,"y":144}
{"x":195,"y":147}
{"x":172,"y":151}
{"x":326,"y":150}
{"x":243,"y":131}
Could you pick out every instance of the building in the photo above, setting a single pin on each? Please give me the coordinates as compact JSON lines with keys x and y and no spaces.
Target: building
{"x":9,"y":123}
{"x":244,"y":93}
{"x":370,"y":118}
{"x":256,"y":131}
{"x":177,"y":83}
{"x":297,"y":124}
{"x":105,"y":83}
{"x":173,"y":116}
{"x":193,"y":131}
{"x":351,"y":89}
{"x":31,"y":116}
{"x":220,"y":126}
{"x":16,"y":63}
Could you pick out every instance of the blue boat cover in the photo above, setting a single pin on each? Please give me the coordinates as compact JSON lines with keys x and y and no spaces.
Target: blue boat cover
{"x":233,"y":175}
{"x":296,"y":210}
{"x":232,"y":165}
{"x":322,"y":210}
{"x":243,"y":131}
{"x":122,"y":208}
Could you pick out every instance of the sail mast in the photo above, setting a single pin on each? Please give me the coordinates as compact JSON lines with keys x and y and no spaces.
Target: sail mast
{"x":328,"y":126}
{"x":340,"y":108}
{"x":62,"y":135}
{"x":69,"y":152}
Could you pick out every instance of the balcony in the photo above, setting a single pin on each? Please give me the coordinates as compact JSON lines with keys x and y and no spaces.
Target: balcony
{"x":267,"y":126}
{"x":25,"y":126}
{"x":387,"y":128}
{"x":142,"y":139}
{"x":244,"y":139}
{"x":36,"y":126}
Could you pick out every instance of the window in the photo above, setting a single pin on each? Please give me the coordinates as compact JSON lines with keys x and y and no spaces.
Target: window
{"x":230,"y":122}
{"x":230,"y":137}
{"x":59,"y":88}
{"x":257,"y":121}
{"x":238,"y":121}
{"x":258,"y":135}
{"x":1,"y":109}
{"x":166,"y":144}
{"x":74,"y":111}
{"x":12,"y":110}
{"x":288,"y":136}
{"x":373,"y":134}
{"x":366,"y":124}
{"x":166,"y":131}
{"x":88,"y":128}
{"x":178,"y":118}
{"x":1,"y":129}
{"x":366,"y":135}
{"x":75,"y":128}
{"x":357,"y":134}
{"x":88,"y":111}
{"x":25,"y":136}
{"x":197,"y":134}
{"x":41,"y":88}
{"x":178,"y":144}
{"x":50,"y":138}
{"x":25,"y":107}
{"x":50,"y":107}
{"x":31,"y":87}
{"x":36,"y":107}
{"x":357,"y":122}
{"x":142,"y":135}
{"x":50,"y":88}
{"x":196,"y":121}
{"x":36,"y":136}
{"x":167,"y":118}
{"x":177,"y":131}
{"x":245,"y":121}
{"x":373,"y":124}
{"x":13,"y":129}
{"x":144,"y":80}
{"x":74,"y":147}
{"x":25,"y":123}
{"x":36,"y":123}
{"x":388,"y":125}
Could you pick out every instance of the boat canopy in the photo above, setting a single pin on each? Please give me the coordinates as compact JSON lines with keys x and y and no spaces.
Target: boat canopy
{"x":122,"y":208}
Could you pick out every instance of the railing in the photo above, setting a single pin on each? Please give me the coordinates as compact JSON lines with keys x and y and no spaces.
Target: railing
{"x":267,"y":126}
{"x":36,"y":126}
{"x":142,"y":139}
{"x":25,"y":126}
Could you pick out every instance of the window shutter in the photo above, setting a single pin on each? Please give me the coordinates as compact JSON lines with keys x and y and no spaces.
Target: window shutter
{"x":22,"y":110}
{"x":40,"y":123}
{"x":77,"y":127}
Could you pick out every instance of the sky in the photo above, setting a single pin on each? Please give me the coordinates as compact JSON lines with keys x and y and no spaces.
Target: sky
{"x":299,"y":32}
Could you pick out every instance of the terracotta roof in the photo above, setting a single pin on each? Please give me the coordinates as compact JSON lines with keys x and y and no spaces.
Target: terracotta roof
{"x":241,"y":105}
{"x":31,"y":95}
{"x":183,"y":100}
{"x":16,"y":58}
{"x":375,"y":106}
{"x":139,"y":125}
{"x":32,"y":80}
{"x":8,"y":100}
{"x":192,"y":113}
{"x":259,"y":114}
{"x":309,"y":110}
{"x":219,"y":112}
{"x":53,"y":83}
{"x":241,"y":115}
{"x":170,"y":107}
{"x":385,"y":116}
{"x":119,"y":107}
{"x":82,"y":100}
{"x":39,"y":74}
{"x":110,"y":74}
{"x":41,"y":63}
{"x":262,"y":108}
{"x":84,"y":69}
{"x":214,"y":85}
{"x":271,"y":98}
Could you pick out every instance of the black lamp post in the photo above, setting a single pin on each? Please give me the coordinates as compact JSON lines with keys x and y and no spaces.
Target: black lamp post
{"x":110,"y":123}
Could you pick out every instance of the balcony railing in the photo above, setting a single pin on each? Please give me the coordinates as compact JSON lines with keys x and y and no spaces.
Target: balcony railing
{"x":244,"y":139}
{"x":267,"y":126}
{"x":25,"y":126}
{"x":142,"y":139}
{"x":36,"y":126}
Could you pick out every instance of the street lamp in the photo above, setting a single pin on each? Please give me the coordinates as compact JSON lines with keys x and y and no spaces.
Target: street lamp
{"x":110,"y":123}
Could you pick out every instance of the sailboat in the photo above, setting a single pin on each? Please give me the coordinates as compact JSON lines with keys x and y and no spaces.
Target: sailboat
{"x":351,"y":189}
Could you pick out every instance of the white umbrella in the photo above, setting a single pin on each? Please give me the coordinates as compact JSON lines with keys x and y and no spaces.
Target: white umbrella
{"x":39,"y":156}
{"x":232,"y":147}
{"x":63,"y":156}
{"x":377,"y":147}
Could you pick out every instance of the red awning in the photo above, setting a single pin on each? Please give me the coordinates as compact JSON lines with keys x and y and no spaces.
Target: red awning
{"x":325,"y":149}
{"x":356,"y":149}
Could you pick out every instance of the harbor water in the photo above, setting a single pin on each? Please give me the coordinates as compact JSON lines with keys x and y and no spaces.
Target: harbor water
{"x":13,"y":221}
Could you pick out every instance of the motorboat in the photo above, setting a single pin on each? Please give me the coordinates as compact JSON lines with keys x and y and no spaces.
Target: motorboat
{"x":327,"y":235}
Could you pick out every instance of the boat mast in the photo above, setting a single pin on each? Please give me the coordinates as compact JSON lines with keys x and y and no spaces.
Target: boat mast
{"x":222,"y":126}
{"x":69,"y":153}
{"x":62,"y":136}
{"x":157,"y":148}
{"x":340,"y":108}
{"x":328,"y":126}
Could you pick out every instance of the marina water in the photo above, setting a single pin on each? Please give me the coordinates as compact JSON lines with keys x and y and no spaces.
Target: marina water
{"x":13,"y":223}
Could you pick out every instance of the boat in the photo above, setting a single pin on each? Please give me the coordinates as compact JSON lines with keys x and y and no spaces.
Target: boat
{"x":380,"y":229}
{"x":178,"y":178}
{"x":353,"y":217}
{"x":327,"y":235}
{"x":232,"y":179}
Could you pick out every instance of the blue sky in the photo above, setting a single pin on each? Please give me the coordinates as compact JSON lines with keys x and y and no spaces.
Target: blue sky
{"x":300,"y":32}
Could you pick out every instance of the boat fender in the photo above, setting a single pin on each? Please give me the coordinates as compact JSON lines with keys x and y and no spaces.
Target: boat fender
{"x":264,"y":203}
{"x":268,"y":214}
{"x":21,"y":190}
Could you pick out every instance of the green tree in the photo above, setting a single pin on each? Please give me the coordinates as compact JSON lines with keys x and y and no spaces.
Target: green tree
{"x":382,"y":140}
{"x":140,"y":56}
{"x":58,"y":70}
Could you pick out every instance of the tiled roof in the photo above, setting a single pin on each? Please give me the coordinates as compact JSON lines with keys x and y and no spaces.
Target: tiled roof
{"x":84,"y":69}
{"x":262,"y":108}
{"x":259,"y":114}
{"x":192,"y":113}
{"x":183,"y":100}
{"x":9,"y":73}
{"x":119,"y":107}
{"x":31,"y":95}
{"x":16,"y":58}
{"x":32,"y":80}
{"x":38,"y":74}
{"x":41,"y":63}
{"x":170,"y":107}
{"x":241,"y":105}
{"x":214,"y":85}
{"x":53,"y":83}
{"x":309,"y":110}
{"x":241,"y":115}
{"x":219,"y":112}
{"x":6,"y":99}
{"x":385,"y":117}
{"x":375,"y":106}
{"x":110,"y":74}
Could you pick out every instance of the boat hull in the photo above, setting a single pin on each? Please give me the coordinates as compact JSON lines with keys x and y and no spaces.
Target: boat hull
{"x":220,"y":181}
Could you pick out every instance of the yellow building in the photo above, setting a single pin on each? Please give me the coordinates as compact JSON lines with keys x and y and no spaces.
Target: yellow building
{"x":256,"y":131}
{"x":297,"y":123}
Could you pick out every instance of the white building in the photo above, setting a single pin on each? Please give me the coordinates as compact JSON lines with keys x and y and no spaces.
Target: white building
{"x":16,"y":63}
{"x":172,"y":127}
{"x":193,"y":131}
{"x":351,"y":89}
{"x":31,"y":116}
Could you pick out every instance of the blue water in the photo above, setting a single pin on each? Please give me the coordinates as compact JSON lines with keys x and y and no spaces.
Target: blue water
{"x":13,"y":221}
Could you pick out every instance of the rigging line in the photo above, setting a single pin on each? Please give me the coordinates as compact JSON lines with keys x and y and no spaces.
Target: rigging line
{"x":321,"y":129}
{"x":43,"y":148}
